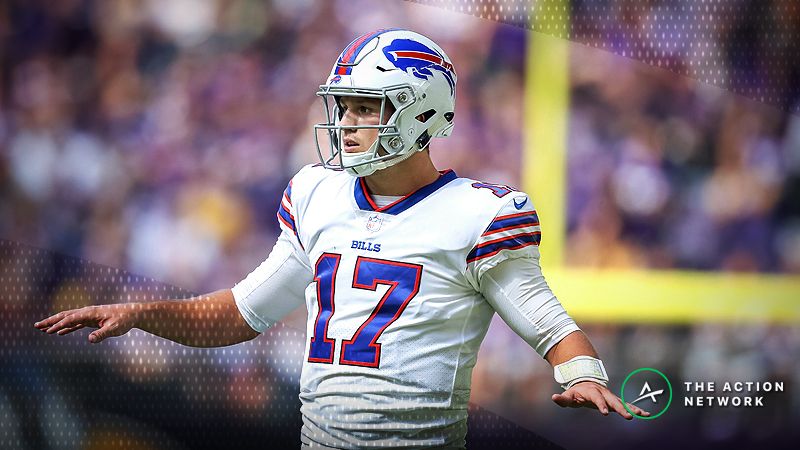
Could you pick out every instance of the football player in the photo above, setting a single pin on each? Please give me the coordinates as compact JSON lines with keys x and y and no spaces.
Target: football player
{"x":401,"y":267}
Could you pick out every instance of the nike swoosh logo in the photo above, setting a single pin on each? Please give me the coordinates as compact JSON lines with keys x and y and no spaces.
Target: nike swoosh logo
{"x":519,"y":205}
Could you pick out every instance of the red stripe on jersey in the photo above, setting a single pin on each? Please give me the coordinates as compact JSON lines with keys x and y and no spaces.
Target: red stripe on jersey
{"x":492,"y":253}
{"x":506,"y":238}
{"x":511,"y":216}
{"x":512,"y":227}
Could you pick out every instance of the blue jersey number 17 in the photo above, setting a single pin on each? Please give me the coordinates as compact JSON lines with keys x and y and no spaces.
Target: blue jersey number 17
{"x":362,"y":349}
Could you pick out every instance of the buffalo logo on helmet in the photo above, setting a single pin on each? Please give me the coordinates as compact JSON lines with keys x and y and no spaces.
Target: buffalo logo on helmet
{"x":418,"y":60}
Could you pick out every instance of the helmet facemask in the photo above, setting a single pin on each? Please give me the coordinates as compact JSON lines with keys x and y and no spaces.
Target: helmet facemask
{"x":389,"y":146}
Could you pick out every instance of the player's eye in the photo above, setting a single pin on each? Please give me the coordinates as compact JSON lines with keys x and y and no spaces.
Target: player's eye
{"x":365,"y":110}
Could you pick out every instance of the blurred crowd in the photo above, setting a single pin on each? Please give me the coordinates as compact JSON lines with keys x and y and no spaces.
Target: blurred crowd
{"x":157,"y":136}
{"x":676,"y":171}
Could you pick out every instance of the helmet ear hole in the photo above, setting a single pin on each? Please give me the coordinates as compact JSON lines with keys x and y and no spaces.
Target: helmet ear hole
{"x":424,"y":117}
{"x":449,"y":116}
{"x":423,"y":139}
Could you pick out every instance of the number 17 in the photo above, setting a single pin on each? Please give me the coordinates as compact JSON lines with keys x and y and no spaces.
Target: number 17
{"x":362,"y":349}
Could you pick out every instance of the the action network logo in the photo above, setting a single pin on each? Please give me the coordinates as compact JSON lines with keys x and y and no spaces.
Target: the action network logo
{"x":648,"y":389}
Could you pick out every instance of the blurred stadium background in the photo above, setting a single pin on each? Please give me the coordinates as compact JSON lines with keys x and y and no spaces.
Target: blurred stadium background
{"x":144,"y":146}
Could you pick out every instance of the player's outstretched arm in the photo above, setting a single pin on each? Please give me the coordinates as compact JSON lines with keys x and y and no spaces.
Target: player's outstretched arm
{"x":516,"y":289}
{"x":586,"y":393}
{"x":211,"y":320}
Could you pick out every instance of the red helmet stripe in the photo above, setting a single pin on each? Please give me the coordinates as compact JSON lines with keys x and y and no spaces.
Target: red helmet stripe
{"x":350,"y":52}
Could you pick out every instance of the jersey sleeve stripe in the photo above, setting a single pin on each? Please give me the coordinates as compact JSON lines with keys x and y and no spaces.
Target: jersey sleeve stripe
{"x":287,"y":193}
{"x":287,"y":219}
{"x":537,"y":234}
{"x":511,"y":216}
{"x":506,"y":234}
{"x":501,"y":223}
{"x":494,"y":252}
{"x":286,"y":209}
{"x":511,"y":227}
{"x":510,"y":224}
{"x":285,"y":215}
{"x":491,"y":248}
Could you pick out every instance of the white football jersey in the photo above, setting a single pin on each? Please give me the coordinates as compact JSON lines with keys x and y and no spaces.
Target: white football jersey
{"x":395,"y":313}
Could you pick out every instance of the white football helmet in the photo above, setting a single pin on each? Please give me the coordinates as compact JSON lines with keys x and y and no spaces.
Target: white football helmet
{"x":398,"y":66}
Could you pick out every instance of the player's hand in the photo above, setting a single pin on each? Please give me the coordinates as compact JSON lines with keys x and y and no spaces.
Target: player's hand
{"x":112,"y":320}
{"x":592,"y":395}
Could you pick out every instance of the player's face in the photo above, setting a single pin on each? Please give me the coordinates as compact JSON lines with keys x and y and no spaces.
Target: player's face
{"x":359,"y":111}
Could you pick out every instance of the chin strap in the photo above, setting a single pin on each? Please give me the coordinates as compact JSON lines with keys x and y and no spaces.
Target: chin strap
{"x":367,"y":169}
{"x":580,"y":368}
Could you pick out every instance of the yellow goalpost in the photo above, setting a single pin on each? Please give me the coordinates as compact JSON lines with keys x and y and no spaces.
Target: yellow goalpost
{"x":619,"y":296}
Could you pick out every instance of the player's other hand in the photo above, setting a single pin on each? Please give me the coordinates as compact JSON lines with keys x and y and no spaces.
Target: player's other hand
{"x":112,"y":320}
{"x":592,"y":395}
